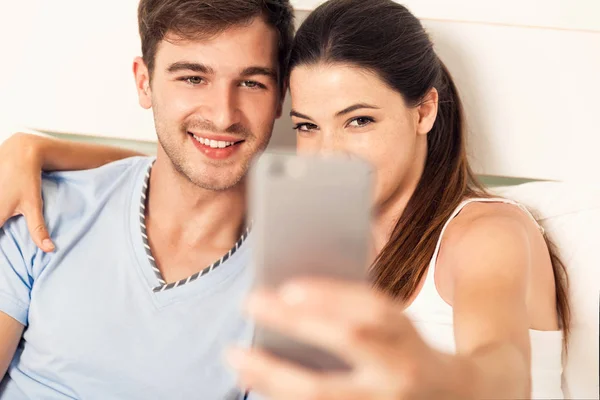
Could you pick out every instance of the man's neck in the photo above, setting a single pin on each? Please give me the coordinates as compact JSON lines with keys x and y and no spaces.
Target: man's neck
{"x":189,"y":215}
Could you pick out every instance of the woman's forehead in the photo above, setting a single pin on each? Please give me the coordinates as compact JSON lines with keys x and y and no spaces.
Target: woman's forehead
{"x":333,"y":87}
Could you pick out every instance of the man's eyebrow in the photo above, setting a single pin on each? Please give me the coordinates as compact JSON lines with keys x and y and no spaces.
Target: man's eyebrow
{"x":190,"y":66}
{"x":255,"y":70}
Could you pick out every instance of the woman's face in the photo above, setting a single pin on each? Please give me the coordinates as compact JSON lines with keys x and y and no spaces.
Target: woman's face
{"x":344,"y":109}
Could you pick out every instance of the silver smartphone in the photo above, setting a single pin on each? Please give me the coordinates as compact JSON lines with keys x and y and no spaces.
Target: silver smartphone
{"x":311,"y":218}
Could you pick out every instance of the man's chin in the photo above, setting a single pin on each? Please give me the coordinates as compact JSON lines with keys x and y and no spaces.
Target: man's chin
{"x":218,"y":181}
{"x":218,"y":186}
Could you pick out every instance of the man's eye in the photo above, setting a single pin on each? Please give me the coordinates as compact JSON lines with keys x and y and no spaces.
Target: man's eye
{"x":253,"y":85}
{"x":193,"y":80}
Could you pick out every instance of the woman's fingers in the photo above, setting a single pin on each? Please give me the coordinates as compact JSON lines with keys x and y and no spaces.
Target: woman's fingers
{"x":352,"y":334}
{"x":345,"y":300}
{"x":370,"y":332}
{"x":356,"y":304}
{"x":278,"y":380}
{"x":20,"y":180}
{"x":36,"y":225}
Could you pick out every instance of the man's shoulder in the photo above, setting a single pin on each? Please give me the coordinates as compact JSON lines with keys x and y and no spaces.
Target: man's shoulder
{"x":94,"y":183}
{"x":74,"y":200}
{"x":72,"y":196}
{"x":122,"y":170}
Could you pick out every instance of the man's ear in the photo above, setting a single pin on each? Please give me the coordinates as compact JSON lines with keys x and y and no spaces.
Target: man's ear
{"x":142,"y":82}
{"x":427,"y":112}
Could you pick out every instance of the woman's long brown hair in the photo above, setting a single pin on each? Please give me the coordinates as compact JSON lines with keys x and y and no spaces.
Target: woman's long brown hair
{"x":384,"y":37}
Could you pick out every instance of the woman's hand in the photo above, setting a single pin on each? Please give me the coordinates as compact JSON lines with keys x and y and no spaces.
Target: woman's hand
{"x":21,"y":164}
{"x":22,"y":159}
{"x":388,"y":357}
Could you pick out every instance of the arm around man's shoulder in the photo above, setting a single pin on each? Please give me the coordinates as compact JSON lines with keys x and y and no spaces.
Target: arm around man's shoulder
{"x":17,"y":253}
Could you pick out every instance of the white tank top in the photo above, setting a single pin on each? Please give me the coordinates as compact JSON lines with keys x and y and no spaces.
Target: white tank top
{"x":432,"y":317}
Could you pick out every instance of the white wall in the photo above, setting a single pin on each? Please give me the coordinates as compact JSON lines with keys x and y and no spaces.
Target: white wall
{"x":527,"y":69}
{"x":530,"y":96}
{"x":566,"y":14}
{"x":70,"y":67}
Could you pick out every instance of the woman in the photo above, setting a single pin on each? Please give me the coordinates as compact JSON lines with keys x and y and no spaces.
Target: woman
{"x":474,"y":302}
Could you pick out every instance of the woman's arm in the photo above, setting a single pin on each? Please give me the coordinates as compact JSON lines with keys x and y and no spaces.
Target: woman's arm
{"x":60,"y":155}
{"x":489,"y":264}
{"x":22,"y":159}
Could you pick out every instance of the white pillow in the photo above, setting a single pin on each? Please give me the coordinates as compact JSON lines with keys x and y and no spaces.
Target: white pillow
{"x":570,"y":214}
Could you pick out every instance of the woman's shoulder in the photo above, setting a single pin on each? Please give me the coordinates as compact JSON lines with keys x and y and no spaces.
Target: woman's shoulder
{"x":488,"y":222}
{"x":488,"y":238}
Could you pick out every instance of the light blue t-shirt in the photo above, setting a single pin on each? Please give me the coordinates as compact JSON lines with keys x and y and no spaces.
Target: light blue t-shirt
{"x":95,"y":328}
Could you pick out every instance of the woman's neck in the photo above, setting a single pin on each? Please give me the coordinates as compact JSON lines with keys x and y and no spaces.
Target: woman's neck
{"x":388,"y":212}
{"x":385,"y":220}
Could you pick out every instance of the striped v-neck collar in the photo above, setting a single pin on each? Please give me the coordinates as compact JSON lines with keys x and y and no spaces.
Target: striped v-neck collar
{"x":163,"y":285}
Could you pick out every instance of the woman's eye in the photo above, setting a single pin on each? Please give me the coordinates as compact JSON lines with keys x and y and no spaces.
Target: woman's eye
{"x":305,"y":127}
{"x":360,"y":121}
{"x":193,"y":80}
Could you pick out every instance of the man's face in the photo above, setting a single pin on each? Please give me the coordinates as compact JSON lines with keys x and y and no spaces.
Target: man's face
{"x":214,"y":101}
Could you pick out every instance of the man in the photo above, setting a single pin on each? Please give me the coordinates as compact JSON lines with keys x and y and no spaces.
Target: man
{"x":142,"y":292}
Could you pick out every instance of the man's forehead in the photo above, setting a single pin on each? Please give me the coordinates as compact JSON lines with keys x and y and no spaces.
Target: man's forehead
{"x":220,"y":55}
{"x":246,"y":43}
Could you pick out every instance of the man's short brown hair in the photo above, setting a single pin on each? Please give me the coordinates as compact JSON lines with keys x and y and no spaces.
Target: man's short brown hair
{"x":193,"y":19}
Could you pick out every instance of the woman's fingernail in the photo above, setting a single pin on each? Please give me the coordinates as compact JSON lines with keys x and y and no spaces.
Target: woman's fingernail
{"x":292,"y":294}
{"x":48,"y":245}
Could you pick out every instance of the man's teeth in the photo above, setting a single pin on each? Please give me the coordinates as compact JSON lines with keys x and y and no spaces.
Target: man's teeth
{"x":215,"y":144}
